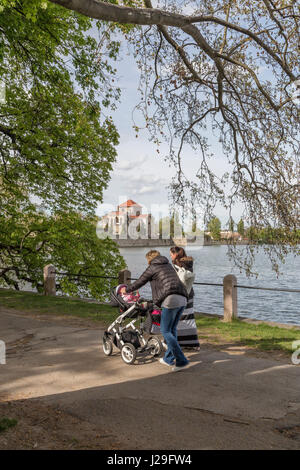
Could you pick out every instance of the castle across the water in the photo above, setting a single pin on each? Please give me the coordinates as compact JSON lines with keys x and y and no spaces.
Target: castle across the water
{"x":128,"y":214}
{"x":129,"y":227}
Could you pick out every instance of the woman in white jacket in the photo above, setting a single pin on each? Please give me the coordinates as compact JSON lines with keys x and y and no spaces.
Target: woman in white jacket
{"x":186,"y":329}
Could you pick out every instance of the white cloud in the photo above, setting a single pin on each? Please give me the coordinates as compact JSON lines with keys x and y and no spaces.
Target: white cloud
{"x":147,"y":179}
{"x":130,"y":164}
{"x":145,"y":190}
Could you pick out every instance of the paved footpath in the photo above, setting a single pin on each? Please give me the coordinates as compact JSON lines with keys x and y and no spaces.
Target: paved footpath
{"x":226,"y":399}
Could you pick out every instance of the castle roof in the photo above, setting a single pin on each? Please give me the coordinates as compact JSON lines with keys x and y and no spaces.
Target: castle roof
{"x":129,"y":203}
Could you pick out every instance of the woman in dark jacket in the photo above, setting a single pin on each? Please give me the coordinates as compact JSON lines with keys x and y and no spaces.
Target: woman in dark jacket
{"x":162,"y":277}
{"x":169,"y":293}
{"x":186,"y":329}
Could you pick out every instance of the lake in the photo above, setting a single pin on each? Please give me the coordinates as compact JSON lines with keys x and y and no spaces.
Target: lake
{"x":211,"y":264}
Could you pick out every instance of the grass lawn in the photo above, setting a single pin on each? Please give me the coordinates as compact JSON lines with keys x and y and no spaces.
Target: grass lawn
{"x":38,"y":303}
{"x":261,"y":336}
{"x":6,"y":423}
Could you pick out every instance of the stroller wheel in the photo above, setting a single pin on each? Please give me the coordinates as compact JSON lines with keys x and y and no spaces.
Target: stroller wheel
{"x":128,"y":353}
{"x":156,"y":346}
{"x":107,"y":346}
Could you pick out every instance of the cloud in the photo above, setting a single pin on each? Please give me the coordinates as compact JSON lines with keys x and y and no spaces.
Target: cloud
{"x":145,"y":190}
{"x":130,"y":164}
{"x":147,"y":179}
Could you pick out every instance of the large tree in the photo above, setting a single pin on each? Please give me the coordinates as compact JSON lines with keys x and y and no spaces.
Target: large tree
{"x":30,"y":239}
{"x":227,"y":69}
{"x":57,"y":144}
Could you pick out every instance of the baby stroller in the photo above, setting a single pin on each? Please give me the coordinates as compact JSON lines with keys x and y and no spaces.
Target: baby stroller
{"x":123,"y":332}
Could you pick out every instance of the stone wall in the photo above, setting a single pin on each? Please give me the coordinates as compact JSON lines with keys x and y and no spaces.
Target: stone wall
{"x":128,"y":243}
{"x":144,"y":243}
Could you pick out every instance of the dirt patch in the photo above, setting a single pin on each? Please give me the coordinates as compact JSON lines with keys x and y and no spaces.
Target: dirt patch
{"x":41,"y":426}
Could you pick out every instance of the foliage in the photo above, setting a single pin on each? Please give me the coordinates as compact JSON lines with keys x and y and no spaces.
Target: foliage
{"x":31,"y":239}
{"x":170,"y":226}
{"x":214,"y":227}
{"x":231,"y":224}
{"x":6,"y":423}
{"x":241,"y":227}
{"x":57,"y":145}
{"x":55,"y":139}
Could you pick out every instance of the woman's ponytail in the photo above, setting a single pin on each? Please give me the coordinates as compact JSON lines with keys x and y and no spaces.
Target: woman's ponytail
{"x":179,"y":251}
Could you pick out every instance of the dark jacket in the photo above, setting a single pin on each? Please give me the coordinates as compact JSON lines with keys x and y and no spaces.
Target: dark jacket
{"x":163,"y":279}
{"x":187,"y":263}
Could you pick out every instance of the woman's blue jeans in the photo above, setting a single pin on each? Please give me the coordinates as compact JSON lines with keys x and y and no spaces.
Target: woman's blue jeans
{"x":168,"y":327}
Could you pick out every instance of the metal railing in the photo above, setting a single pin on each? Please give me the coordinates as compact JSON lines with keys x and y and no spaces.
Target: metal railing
{"x":267,"y":288}
{"x":275,"y":289}
{"x":229,"y":285}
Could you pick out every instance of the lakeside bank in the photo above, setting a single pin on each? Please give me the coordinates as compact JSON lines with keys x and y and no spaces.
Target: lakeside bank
{"x":160,"y":242}
{"x":247,"y":333}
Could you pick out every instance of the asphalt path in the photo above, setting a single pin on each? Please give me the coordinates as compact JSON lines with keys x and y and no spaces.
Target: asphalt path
{"x":225,"y":399}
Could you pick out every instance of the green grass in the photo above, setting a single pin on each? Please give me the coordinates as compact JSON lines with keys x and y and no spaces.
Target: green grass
{"x":41,"y":304}
{"x":261,"y":336}
{"x":6,"y":423}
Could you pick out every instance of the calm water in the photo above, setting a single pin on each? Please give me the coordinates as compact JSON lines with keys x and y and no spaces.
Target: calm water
{"x":211,"y":264}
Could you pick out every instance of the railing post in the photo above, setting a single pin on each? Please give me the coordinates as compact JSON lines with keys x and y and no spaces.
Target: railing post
{"x":230,"y":297}
{"x":49,"y":280}
{"x":124,"y":276}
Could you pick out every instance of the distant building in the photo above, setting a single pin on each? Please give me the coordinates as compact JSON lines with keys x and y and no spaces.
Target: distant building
{"x":118,"y":221}
{"x":227,"y":235}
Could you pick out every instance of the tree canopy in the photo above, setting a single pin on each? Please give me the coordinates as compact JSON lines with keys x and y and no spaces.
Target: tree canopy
{"x":214,"y":227}
{"x":31,"y":239}
{"x":57,"y":142}
{"x":57,"y":145}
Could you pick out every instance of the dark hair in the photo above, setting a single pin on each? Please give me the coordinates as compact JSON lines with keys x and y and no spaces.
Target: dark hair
{"x":180,"y":252}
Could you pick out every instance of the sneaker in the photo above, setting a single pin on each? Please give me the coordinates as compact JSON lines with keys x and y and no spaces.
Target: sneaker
{"x":162,"y":361}
{"x":178,"y":368}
